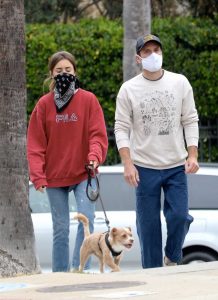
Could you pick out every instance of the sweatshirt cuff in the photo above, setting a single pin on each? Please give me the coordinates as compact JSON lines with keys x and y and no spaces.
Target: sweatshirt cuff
{"x":123,"y":144}
{"x":40,"y":182}
{"x":94,"y":157}
{"x":192,"y":142}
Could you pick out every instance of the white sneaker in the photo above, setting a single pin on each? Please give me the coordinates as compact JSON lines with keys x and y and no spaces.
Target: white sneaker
{"x":168,"y":262}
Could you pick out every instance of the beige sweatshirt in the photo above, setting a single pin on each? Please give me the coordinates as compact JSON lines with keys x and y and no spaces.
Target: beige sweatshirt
{"x":150,"y":118}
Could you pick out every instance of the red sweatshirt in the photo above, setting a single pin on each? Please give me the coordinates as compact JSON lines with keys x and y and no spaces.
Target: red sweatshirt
{"x":60,"y":144}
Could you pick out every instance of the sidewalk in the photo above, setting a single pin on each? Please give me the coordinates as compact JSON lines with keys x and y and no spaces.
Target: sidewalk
{"x":189,"y":282}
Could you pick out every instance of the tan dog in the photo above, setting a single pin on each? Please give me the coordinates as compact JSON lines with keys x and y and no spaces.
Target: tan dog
{"x":106,"y":246}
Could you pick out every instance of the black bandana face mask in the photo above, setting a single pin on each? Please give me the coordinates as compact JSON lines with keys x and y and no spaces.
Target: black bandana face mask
{"x":65,"y":87}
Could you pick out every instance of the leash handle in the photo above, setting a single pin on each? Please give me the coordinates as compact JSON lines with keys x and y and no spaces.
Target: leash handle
{"x":94,"y":195}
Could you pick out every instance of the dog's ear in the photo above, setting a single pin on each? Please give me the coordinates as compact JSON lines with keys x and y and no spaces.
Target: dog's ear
{"x":113,"y":230}
{"x":129,"y":229}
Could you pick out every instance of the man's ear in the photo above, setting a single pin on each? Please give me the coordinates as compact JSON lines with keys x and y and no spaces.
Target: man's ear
{"x":138,"y":59}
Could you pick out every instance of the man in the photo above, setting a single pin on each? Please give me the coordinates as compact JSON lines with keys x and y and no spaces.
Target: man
{"x":152,"y":111}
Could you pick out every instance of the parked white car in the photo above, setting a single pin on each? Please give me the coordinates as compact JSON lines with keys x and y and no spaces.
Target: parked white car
{"x":201,"y":243}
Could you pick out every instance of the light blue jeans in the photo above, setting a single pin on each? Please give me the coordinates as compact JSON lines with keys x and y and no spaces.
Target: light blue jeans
{"x":59,"y":202}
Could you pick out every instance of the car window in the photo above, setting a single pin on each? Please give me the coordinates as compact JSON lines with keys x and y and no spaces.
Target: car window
{"x":39,"y":202}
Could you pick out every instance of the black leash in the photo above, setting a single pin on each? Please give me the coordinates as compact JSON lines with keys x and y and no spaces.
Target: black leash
{"x":92,"y":194}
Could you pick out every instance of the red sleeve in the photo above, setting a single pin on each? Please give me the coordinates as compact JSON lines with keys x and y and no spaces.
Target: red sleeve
{"x":36,"y":146}
{"x":98,"y":141}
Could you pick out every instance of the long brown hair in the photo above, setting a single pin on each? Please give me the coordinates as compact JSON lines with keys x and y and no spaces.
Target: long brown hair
{"x":53,"y":60}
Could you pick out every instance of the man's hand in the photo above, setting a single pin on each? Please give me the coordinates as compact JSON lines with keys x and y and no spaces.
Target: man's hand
{"x":191,"y":165}
{"x":131,"y":174}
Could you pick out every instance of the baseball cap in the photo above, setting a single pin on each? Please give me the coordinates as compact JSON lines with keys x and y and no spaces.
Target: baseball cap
{"x":142,"y":40}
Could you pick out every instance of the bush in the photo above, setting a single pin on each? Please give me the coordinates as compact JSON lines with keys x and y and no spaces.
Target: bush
{"x":189,"y":47}
{"x":97,"y":47}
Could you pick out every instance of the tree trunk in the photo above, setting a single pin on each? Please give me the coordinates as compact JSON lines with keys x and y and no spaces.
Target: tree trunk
{"x":136,"y":22}
{"x":17,"y":243}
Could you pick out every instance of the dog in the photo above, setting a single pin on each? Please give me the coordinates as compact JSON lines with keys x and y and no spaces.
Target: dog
{"x":108,"y":246}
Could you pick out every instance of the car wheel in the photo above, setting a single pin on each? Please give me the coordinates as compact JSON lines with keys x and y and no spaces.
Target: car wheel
{"x":198,"y":257}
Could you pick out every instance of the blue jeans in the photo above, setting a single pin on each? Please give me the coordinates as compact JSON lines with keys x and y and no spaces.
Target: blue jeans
{"x":148,"y":205}
{"x":58,"y":198}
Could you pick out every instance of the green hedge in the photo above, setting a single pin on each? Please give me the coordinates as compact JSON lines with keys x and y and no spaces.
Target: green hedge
{"x":190,"y":47}
{"x":97,"y":46}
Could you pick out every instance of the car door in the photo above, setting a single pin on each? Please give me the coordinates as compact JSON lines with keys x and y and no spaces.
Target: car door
{"x":42,"y":223}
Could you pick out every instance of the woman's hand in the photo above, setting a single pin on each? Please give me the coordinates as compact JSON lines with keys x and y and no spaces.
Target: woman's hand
{"x":94,"y":163}
{"x":41,"y":189}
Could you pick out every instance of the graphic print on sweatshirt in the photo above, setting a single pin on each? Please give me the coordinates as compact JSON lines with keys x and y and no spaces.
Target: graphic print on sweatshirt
{"x":158,"y":111}
{"x":66,"y":118}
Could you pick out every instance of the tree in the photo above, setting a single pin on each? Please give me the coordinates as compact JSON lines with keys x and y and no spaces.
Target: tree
{"x":136,"y":22}
{"x":113,"y":9}
{"x":50,"y":11}
{"x":68,"y":9}
{"x":195,"y":8}
{"x":17,"y":254}
{"x":41,"y":11}
{"x":201,"y":8}
{"x":166,"y":8}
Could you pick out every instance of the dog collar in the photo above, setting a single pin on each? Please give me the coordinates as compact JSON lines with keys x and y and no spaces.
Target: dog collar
{"x":114,"y":253}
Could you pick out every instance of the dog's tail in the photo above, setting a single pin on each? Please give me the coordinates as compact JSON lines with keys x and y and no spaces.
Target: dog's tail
{"x":85,"y":222}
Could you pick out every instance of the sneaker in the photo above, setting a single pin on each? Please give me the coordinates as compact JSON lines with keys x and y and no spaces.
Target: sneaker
{"x":75,"y":270}
{"x":168,"y":262}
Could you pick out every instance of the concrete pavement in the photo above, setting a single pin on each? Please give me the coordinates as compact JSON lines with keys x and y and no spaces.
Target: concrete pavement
{"x":189,"y":282}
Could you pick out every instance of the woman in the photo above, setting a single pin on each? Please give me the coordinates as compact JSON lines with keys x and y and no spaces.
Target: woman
{"x":66,"y":131}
